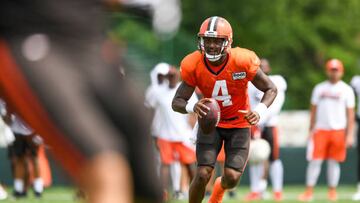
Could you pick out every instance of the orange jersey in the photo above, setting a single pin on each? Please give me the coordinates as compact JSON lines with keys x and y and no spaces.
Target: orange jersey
{"x":228,"y":86}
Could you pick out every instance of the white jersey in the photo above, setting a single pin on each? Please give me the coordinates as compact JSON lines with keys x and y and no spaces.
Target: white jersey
{"x":161,"y":68}
{"x":355,"y":83}
{"x":150,"y":101}
{"x":173,"y":126}
{"x":271,"y":116}
{"x":18,"y":126}
{"x":331,"y":101}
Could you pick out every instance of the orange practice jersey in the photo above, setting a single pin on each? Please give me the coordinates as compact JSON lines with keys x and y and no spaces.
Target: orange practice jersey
{"x":228,"y":86}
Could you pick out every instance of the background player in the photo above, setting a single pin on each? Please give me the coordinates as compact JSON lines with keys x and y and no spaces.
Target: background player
{"x":331,"y":129}
{"x":221,"y":72}
{"x":355,"y":83}
{"x":174,"y":132}
{"x":269,"y":132}
{"x":26,"y":143}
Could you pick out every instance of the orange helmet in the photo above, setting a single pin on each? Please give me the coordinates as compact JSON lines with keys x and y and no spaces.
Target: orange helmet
{"x":217,"y":27}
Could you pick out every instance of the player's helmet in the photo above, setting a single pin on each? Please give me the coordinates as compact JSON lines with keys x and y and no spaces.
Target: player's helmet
{"x":217,"y":27}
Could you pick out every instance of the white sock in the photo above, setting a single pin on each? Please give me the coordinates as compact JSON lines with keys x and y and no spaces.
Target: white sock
{"x":3,"y":193}
{"x":18,"y":185}
{"x":38,"y":185}
{"x":333,"y":173}
{"x":175,"y":172}
{"x":313,"y":172}
{"x":277,"y":175}
{"x":262,"y":185}
{"x":358,"y":187}
{"x":256,"y":173}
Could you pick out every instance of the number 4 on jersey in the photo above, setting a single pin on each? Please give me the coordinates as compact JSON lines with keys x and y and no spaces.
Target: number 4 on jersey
{"x":220,"y":85}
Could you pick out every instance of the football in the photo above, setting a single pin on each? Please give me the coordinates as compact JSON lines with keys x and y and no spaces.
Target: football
{"x":259,"y":151}
{"x":212,"y":118}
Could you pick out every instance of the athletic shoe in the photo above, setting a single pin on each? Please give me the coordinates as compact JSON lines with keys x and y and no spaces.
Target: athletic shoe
{"x":332,"y":195}
{"x":306,"y":196}
{"x":278,"y":196}
{"x":253,"y":196}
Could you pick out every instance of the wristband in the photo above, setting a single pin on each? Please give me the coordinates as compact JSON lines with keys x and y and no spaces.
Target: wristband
{"x":190,"y":107}
{"x":261,"y":109}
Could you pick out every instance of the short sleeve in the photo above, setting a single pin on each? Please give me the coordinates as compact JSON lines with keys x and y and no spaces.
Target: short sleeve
{"x":252,"y":66}
{"x":315,"y":96}
{"x":355,"y":83}
{"x":350,"y":98}
{"x":149,"y":97}
{"x":187,"y":74}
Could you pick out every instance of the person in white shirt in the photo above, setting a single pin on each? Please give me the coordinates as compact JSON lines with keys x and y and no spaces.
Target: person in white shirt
{"x":267,"y":130}
{"x":331,"y":129}
{"x":173,"y":130}
{"x":26,"y":142}
{"x":158,"y":79}
{"x":355,"y":84}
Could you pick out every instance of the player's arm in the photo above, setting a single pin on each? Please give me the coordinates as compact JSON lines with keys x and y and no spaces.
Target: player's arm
{"x":5,"y":113}
{"x":312,"y":117}
{"x":262,"y":82}
{"x":350,"y":114}
{"x":180,"y":102}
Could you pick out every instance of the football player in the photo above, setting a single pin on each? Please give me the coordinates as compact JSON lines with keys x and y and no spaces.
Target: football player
{"x":222,"y":73}
{"x":331,"y":129}
{"x":26,"y":143}
{"x":269,"y":132}
{"x":55,"y":75}
{"x":174,"y":132}
{"x":355,"y":84}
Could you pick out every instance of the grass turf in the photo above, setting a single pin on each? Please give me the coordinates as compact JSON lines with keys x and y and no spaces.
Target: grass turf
{"x":66,"y":195}
{"x":291,"y":193}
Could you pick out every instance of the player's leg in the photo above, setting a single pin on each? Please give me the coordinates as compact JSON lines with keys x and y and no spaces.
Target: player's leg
{"x":33,"y":143}
{"x":337,"y":154}
{"x":207,"y":149}
{"x":333,"y":177}
{"x":19,"y":165}
{"x":175,"y":174}
{"x":276,"y":169}
{"x":3,"y":193}
{"x":219,"y":168}
{"x":187,"y":157}
{"x":316,"y":153}
{"x":236,"y":143}
{"x":256,"y":172}
{"x":166,"y":155}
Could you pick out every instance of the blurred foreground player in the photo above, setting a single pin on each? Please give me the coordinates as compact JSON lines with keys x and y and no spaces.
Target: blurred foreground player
{"x":267,"y":125}
{"x":222,"y":73}
{"x":54,"y":76}
{"x":331,"y":129}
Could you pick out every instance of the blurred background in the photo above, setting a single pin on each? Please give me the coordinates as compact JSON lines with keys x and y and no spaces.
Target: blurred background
{"x":296,"y":36}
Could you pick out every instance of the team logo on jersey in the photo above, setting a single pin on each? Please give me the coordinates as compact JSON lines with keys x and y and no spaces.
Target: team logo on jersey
{"x":239,"y":75}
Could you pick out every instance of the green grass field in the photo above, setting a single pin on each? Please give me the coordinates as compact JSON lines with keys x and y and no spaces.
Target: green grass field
{"x":291,"y":193}
{"x":66,"y":195}
{"x":51,"y":195}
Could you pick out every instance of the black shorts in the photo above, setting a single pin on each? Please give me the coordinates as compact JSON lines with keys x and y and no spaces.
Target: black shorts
{"x":23,"y":145}
{"x":270,"y":134}
{"x":236,"y":144}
